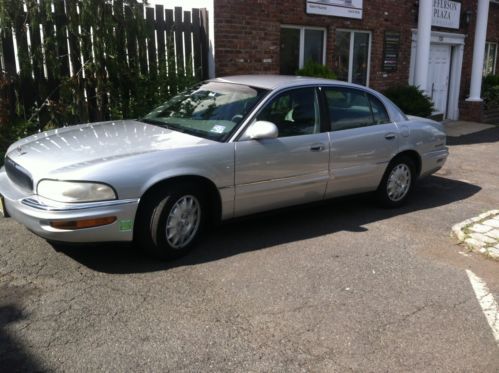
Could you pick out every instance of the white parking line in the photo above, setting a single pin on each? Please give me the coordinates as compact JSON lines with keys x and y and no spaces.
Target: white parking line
{"x":487,"y":302}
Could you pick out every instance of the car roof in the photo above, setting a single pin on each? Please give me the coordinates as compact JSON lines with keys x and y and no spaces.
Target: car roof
{"x":275,"y":81}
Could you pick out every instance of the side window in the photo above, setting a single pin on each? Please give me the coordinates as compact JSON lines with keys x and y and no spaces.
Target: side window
{"x":379,"y":112}
{"x":348,"y":108}
{"x":294,"y":112}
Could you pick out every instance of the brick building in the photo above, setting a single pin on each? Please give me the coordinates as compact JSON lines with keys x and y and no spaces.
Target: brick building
{"x":370,"y":42}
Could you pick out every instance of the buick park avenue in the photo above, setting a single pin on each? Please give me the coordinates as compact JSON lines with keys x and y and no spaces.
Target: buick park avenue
{"x":224,"y":148}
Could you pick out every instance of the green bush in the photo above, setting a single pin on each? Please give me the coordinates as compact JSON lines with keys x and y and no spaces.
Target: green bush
{"x":490,"y":91}
{"x":411,"y":100}
{"x":490,"y":81}
{"x":312,"y":68}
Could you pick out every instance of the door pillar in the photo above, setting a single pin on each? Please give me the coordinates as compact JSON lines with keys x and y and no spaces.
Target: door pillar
{"x":423,"y":44}
{"x":482,"y":18}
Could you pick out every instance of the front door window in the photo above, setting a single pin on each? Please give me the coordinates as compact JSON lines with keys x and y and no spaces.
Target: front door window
{"x":294,"y":112}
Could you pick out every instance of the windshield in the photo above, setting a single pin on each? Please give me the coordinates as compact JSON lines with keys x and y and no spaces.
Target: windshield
{"x":210,"y":110}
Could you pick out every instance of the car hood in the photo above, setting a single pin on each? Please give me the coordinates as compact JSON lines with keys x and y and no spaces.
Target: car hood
{"x":71,"y":147}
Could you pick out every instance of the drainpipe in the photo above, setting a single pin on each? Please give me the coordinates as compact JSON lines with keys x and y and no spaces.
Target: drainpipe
{"x":482,"y":18}
{"x":423,"y":44}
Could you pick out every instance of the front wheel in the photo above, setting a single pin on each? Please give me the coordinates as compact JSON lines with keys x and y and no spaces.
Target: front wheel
{"x":170,"y":222}
{"x":397,"y":182}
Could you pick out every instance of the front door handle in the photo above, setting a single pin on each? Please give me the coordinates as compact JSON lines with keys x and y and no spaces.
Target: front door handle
{"x":317,"y":147}
{"x":390,"y":136}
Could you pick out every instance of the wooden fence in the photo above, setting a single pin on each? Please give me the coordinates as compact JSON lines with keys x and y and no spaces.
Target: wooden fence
{"x":131,"y":57}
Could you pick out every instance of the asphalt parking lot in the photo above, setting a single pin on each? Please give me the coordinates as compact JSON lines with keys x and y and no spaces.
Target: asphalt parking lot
{"x":342,"y":286}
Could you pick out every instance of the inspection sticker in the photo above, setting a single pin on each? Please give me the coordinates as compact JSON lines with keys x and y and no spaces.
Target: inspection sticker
{"x":126,"y":225}
{"x":218,"y":129}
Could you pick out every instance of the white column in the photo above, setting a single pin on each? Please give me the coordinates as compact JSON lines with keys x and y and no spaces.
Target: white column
{"x":482,"y":19}
{"x":423,"y":44}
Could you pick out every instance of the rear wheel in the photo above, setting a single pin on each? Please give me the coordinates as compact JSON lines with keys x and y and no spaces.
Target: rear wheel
{"x":397,"y":182}
{"x":169,"y":222}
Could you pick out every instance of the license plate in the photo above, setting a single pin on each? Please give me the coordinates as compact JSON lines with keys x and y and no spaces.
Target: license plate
{"x":2,"y":207}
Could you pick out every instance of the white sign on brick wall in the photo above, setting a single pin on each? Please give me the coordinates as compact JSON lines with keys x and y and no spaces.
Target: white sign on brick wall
{"x":337,"y":8}
{"x":446,"y":13}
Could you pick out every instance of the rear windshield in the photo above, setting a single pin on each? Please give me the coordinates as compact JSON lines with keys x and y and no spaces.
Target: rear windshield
{"x":211,"y":110}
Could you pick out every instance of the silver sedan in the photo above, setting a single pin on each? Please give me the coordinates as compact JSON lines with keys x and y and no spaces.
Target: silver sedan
{"x":224,"y":148}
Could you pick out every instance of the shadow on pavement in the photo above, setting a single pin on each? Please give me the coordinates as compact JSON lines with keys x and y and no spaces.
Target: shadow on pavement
{"x":485,"y":136}
{"x":278,"y":227}
{"x":13,"y":356}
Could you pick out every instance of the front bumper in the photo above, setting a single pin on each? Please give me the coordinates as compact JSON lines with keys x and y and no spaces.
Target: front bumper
{"x":35,"y":213}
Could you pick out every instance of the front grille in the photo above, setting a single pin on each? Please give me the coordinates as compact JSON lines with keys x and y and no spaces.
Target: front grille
{"x":18,"y":175}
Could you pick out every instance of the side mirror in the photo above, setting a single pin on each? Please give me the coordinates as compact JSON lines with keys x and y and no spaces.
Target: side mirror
{"x":261,"y":130}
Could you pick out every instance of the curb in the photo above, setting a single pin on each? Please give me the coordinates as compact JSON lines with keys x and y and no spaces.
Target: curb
{"x":480,"y":234}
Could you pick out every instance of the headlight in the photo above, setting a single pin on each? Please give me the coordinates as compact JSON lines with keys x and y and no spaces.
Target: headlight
{"x":71,"y":191}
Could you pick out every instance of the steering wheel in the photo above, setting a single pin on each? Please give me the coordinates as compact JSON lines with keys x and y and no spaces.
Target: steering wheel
{"x":236,"y":118}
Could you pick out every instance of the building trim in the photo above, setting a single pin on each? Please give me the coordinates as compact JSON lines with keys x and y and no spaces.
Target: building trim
{"x":479,"y":51}
{"x":456,"y":41}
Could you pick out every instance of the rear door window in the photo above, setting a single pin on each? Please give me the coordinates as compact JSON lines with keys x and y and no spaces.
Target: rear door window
{"x":379,"y":112}
{"x":352,"y":108}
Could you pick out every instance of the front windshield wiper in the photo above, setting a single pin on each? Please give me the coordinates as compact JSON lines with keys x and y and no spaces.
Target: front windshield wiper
{"x":154,"y":122}
{"x":160,"y":123}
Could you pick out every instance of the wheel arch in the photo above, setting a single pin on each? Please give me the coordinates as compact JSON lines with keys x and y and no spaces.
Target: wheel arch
{"x":414,"y":156}
{"x":206,"y":185}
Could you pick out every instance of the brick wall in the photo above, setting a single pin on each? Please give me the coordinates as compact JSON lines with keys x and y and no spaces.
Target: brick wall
{"x":247,"y":35}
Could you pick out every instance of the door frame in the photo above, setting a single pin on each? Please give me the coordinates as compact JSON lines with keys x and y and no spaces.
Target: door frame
{"x":456,"y":41}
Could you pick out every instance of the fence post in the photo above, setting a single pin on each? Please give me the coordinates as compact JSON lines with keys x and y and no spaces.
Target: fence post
{"x":204,"y":43}
{"x":90,"y":60}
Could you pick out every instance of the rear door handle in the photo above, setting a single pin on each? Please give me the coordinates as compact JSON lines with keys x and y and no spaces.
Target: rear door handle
{"x":317,"y":147}
{"x":390,"y":136}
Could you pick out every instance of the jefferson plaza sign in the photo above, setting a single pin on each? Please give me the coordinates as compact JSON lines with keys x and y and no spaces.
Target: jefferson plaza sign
{"x":446,"y":13}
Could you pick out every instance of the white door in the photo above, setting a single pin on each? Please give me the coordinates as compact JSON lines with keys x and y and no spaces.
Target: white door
{"x":438,"y":76}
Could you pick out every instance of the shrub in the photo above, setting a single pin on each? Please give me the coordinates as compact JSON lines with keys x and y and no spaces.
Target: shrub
{"x":411,"y":100}
{"x":312,"y":68}
{"x":490,"y":81}
{"x":490,"y":91}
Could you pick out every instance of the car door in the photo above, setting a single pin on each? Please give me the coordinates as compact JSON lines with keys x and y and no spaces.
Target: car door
{"x":290,"y":169}
{"x":363,"y":140}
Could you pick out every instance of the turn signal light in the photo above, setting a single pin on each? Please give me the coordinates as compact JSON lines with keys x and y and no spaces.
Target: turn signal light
{"x":81,"y":224}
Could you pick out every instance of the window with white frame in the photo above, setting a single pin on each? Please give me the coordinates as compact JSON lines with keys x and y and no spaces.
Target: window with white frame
{"x":490,"y":60}
{"x":300,"y":45}
{"x":352,"y":56}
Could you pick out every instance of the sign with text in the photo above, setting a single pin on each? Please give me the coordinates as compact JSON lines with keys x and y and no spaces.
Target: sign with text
{"x":391,"y":51}
{"x":446,"y":13}
{"x":337,"y":8}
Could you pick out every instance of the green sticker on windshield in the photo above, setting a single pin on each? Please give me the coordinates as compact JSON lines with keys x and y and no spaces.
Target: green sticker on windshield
{"x":126,"y":225}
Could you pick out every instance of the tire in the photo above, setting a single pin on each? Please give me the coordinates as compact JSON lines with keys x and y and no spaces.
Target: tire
{"x":397,"y":183}
{"x":170,"y":221}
